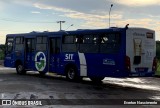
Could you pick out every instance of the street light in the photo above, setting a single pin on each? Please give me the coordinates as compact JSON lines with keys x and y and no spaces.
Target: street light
{"x":109,"y":13}
{"x":69,"y":26}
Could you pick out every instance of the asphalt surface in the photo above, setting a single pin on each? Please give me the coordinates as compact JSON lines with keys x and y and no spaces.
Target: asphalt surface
{"x":85,"y":92}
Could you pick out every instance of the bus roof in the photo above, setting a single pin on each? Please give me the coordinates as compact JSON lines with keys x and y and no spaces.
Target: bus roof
{"x":78,"y":31}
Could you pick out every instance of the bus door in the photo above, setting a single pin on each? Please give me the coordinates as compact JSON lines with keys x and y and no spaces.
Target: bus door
{"x":54,"y":52}
{"x":30,"y":52}
{"x":9,"y":53}
{"x":41,"y":54}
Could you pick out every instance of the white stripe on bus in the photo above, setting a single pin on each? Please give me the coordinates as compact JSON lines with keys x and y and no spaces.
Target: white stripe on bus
{"x":83,"y":65}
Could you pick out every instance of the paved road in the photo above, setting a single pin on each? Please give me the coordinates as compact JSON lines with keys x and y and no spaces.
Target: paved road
{"x":33,"y":86}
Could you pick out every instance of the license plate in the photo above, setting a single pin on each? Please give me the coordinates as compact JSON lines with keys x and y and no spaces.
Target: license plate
{"x":141,"y":69}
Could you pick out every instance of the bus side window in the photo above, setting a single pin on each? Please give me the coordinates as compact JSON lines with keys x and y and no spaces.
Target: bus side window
{"x":55,"y":45}
{"x":104,"y":39}
{"x":33,"y":45}
{"x":41,"y":43}
{"x":19,"y":43}
{"x":89,"y":43}
{"x":28,"y":49}
{"x":110,"y":43}
{"x":80,"y":40}
{"x":30,"y":45}
{"x":52,"y":46}
{"x":70,"y":43}
{"x":9,"y":45}
{"x":58,"y":44}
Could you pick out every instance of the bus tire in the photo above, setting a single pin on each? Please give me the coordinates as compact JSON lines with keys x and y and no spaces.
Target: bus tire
{"x":42,"y":73}
{"x":71,"y":73}
{"x":20,"y":69}
{"x":97,"y":79}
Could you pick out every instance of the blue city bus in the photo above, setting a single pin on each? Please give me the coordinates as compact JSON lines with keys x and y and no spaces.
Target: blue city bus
{"x":100,"y":53}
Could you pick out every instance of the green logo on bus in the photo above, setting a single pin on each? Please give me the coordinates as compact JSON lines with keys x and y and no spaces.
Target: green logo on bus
{"x":40,"y":61}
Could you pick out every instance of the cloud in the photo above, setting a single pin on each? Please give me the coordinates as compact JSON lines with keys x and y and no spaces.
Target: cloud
{"x":145,"y":22}
{"x":91,"y":17}
{"x":95,"y":20}
{"x":47,"y":7}
{"x":35,"y":12}
{"x":133,"y":3}
{"x":76,"y":14}
{"x":154,"y":16}
{"x":95,"y":24}
{"x":3,"y":5}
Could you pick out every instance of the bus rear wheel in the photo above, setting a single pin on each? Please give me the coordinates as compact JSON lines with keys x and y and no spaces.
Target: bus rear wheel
{"x":97,"y":79}
{"x":20,"y":69}
{"x":71,"y":73}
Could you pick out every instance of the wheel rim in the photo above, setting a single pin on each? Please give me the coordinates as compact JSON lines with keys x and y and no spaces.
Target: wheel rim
{"x":20,"y":68}
{"x":71,"y":73}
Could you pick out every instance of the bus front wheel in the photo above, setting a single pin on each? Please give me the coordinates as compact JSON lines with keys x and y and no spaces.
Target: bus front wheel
{"x":20,"y":69}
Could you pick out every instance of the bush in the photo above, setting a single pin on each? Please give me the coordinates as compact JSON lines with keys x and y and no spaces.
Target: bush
{"x":2,"y":51}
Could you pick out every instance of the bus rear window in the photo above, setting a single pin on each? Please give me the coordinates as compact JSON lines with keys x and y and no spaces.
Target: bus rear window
{"x":149,"y":35}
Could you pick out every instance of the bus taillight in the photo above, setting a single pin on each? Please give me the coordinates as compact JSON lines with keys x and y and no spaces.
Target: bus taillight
{"x":127,"y":64}
{"x":154,"y":66}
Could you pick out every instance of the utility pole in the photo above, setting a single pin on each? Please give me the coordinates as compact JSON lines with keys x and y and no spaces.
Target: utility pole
{"x":60,"y":22}
{"x":110,"y":13}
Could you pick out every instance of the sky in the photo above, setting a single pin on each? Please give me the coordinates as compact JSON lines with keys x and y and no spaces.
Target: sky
{"x":24,"y":16}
